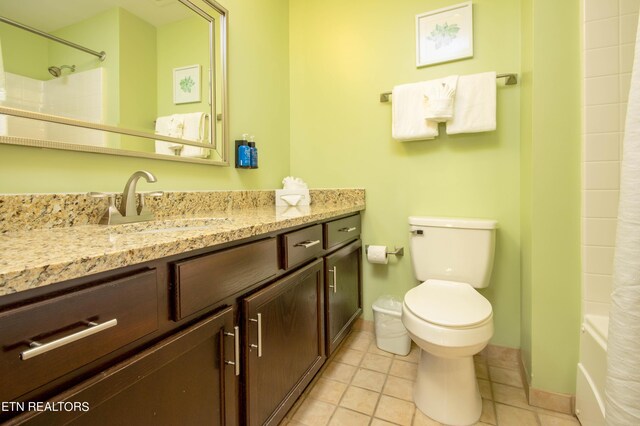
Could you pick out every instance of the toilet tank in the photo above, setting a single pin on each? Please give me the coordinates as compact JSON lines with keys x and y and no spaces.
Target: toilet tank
{"x":453,"y":249}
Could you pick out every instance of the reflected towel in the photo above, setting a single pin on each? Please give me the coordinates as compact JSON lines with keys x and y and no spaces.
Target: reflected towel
{"x":475,"y":104}
{"x":195,"y":130}
{"x":164,"y":127}
{"x":408,"y":112}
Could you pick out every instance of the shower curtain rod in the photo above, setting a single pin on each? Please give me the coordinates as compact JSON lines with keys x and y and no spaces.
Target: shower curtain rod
{"x":102,"y":55}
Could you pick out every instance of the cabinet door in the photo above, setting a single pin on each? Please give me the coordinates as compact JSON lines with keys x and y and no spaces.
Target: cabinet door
{"x":284,"y":343}
{"x":343,"y":292}
{"x":184,"y":380}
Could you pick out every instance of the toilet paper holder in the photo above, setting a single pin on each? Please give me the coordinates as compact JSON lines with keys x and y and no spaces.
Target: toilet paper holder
{"x":396,"y":251}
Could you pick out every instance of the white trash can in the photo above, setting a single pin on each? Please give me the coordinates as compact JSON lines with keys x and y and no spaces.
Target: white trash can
{"x":391,"y":336}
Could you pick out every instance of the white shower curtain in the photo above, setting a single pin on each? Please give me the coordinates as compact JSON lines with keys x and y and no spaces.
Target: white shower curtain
{"x":623,"y":354}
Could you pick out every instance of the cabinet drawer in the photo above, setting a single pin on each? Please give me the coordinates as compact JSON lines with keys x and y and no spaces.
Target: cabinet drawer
{"x":302,"y":245}
{"x":341,"y":230}
{"x":207,"y":280}
{"x":74,"y":330}
{"x":181,"y":380}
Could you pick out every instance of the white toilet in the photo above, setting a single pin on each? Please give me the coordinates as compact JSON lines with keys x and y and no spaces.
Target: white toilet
{"x":446,"y":317}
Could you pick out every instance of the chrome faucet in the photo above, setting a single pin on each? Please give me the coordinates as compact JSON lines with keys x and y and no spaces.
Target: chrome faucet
{"x":129,"y":211}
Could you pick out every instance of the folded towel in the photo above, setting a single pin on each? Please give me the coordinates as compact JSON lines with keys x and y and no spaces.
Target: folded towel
{"x":439,"y":96}
{"x":195,"y":129}
{"x":475,"y":104}
{"x":165,"y":126}
{"x":190,"y":126}
{"x":176,"y":126}
{"x":408,"y":112}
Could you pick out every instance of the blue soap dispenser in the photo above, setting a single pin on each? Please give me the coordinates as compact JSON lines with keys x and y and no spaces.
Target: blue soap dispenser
{"x":253,"y":151}
{"x":243,"y":154}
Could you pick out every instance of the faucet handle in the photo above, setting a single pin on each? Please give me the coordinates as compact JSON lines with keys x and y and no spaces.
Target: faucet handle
{"x":110,"y":195}
{"x":152,"y":194}
{"x":111,"y":212}
{"x":142,"y":210}
{"x":98,"y":194}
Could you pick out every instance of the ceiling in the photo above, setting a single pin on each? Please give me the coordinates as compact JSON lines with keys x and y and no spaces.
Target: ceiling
{"x":52,"y":15}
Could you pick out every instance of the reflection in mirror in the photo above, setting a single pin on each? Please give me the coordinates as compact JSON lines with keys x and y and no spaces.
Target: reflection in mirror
{"x":148,"y":73}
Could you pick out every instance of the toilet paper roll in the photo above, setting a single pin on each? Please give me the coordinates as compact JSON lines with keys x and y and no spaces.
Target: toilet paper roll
{"x":377,"y":254}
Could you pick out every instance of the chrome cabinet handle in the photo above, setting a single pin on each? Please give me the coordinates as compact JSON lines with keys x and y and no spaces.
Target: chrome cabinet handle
{"x":38,"y":348}
{"x":236,"y":349}
{"x":351,"y":229}
{"x":259,"y":345}
{"x":307,"y":244}
{"x":334,"y":271}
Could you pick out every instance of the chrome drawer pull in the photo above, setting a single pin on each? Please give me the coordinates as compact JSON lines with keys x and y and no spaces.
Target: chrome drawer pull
{"x":307,"y":244}
{"x":236,"y":349}
{"x":334,"y":271}
{"x":351,"y":229}
{"x":40,"y":348}
{"x":259,"y":345}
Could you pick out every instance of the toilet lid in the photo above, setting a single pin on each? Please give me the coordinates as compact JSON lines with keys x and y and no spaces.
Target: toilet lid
{"x":448,"y":303}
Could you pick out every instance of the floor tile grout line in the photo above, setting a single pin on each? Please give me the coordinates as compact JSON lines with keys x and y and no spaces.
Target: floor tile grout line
{"x":368,"y":350}
{"x":344,"y":346}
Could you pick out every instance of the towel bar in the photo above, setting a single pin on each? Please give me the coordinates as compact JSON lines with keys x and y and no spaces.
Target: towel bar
{"x":512,"y":78}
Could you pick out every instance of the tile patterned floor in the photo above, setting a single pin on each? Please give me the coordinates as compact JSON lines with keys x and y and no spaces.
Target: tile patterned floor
{"x":362,"y":385}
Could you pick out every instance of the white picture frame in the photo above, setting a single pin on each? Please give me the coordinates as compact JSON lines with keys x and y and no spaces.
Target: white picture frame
{"x":444,"y":35}
{"x":186,"y":84}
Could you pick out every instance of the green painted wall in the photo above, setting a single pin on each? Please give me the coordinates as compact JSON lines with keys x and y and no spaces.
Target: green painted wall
{"x":341,"y":134}
{"x":99,"y":33}
{"x":526,"y":134}
{"x":172,"y":53}
{"x":14,"y":43}
{"x":138,"y":78}
{"x":551,"y":195}
{"x":259,"y":104}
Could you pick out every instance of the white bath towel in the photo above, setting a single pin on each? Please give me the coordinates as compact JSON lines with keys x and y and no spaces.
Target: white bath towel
{"x":408,"y":112}
{"x":475,"y":104}
{"x":165,"y":126}
{"x":439,"y":96}
{"x":195,"y":129}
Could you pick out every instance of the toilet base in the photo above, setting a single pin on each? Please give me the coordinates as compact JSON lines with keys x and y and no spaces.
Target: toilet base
{"x":446,"y":389}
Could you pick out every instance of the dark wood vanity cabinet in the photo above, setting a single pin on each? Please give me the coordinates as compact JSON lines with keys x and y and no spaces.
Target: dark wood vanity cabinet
{"x":222,"y":336}
{"x":185,"y":379}
{"x":343,"y":292}
{"x":284,"y":346}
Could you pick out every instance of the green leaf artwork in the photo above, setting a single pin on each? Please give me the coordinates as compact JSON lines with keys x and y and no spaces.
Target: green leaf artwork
{"x":186,"y":84}
{"x":443,"y":35}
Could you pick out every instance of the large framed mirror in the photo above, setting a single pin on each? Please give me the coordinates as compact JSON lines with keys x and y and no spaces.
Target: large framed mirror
{"x":143,"y":78}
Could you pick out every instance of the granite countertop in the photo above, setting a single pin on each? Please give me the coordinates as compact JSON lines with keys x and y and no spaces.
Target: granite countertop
{"x":38,"y":257}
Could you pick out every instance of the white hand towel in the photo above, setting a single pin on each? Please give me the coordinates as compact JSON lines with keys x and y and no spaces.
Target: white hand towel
{"x":475,"y":104}
{"x":408,"y":112}
{"x":176,"y":126}
{"x":195,"y":130}
{"x":439,"y":96}
{"x":164,"y":127}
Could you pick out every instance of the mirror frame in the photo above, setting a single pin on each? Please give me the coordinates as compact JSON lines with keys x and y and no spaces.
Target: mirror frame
{"x":221,"y":141}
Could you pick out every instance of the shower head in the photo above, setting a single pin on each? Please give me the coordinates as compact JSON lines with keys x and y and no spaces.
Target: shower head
{"x":57,"y":71}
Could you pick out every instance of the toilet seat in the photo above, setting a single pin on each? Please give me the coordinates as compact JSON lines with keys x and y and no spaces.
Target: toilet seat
{"x":448,"y":304}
